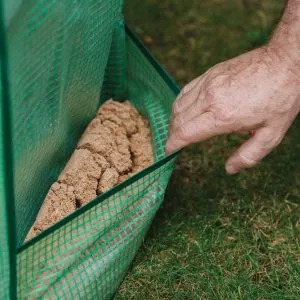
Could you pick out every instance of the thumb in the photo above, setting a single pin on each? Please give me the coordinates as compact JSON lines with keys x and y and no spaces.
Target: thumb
{"x":253,"y":150}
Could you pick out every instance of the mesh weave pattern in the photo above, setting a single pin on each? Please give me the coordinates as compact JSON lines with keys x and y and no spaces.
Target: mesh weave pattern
{"x":63,"y":56}
{"x":58,"y":51}
{"x":88,"y":257}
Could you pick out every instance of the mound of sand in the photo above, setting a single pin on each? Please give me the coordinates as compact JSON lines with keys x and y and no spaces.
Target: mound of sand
{"x":116,"y":144}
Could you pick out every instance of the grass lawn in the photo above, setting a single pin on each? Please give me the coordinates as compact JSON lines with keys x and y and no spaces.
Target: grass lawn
{"x":218,"y":236}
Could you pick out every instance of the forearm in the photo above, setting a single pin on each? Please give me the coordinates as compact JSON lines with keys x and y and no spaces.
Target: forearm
{"x":286,"y":38}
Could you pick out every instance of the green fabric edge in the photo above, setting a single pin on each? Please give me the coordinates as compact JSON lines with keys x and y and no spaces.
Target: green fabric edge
{"x":172,"y":85}
{"x":8,"y":150}
{"x":161,"y":70}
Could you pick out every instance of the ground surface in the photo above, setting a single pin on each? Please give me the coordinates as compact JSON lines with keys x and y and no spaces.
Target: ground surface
{"x":216,"y":236}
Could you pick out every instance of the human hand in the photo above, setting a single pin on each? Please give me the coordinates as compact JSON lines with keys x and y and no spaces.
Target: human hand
{"x":257,"y":92}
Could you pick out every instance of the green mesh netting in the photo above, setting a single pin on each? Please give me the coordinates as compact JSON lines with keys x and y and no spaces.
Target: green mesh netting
{"x":63,"y":56}
{"x":58,"y":51}
{"x":4,"y":239}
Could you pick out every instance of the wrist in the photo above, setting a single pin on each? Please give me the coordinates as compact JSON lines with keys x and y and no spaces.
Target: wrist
{"x":283,"y":61}
{"x":285,"y":55}
{"x":285,"y":41}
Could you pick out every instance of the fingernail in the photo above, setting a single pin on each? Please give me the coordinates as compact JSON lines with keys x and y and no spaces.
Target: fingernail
{"x":230,"y":169}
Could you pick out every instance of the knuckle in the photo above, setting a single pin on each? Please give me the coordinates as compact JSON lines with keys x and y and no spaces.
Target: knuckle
{"x":185,"y":89}
{"x":181,"y":93}
{"x":182,"y":133}
{"x":211,"y":93}
{"x":223,"y":117}
{"x":177,"y":122}
{"x":272,"y":143}
{"x":175,"y":108}
{"x":246,"y":161}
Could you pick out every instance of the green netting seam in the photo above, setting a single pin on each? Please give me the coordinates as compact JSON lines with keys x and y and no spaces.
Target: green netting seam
{"x":98,"y":200}
{"x":158,"y":67}
{"x":8,"y":150}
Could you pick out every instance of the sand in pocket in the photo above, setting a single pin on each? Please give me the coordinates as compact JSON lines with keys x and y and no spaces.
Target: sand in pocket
{"x":116,"y":144}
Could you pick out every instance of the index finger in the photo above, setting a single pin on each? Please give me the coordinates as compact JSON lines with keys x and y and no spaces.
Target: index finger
{"x":198,"y":129}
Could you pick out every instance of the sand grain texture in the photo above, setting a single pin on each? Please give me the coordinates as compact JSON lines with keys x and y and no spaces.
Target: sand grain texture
{"x":116,"y":144}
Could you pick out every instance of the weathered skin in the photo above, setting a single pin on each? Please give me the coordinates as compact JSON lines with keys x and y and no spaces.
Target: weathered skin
{"x":257,"y":93}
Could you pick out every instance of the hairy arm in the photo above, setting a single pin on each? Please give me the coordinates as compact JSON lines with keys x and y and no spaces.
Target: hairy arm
{"x":257,"y":92}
